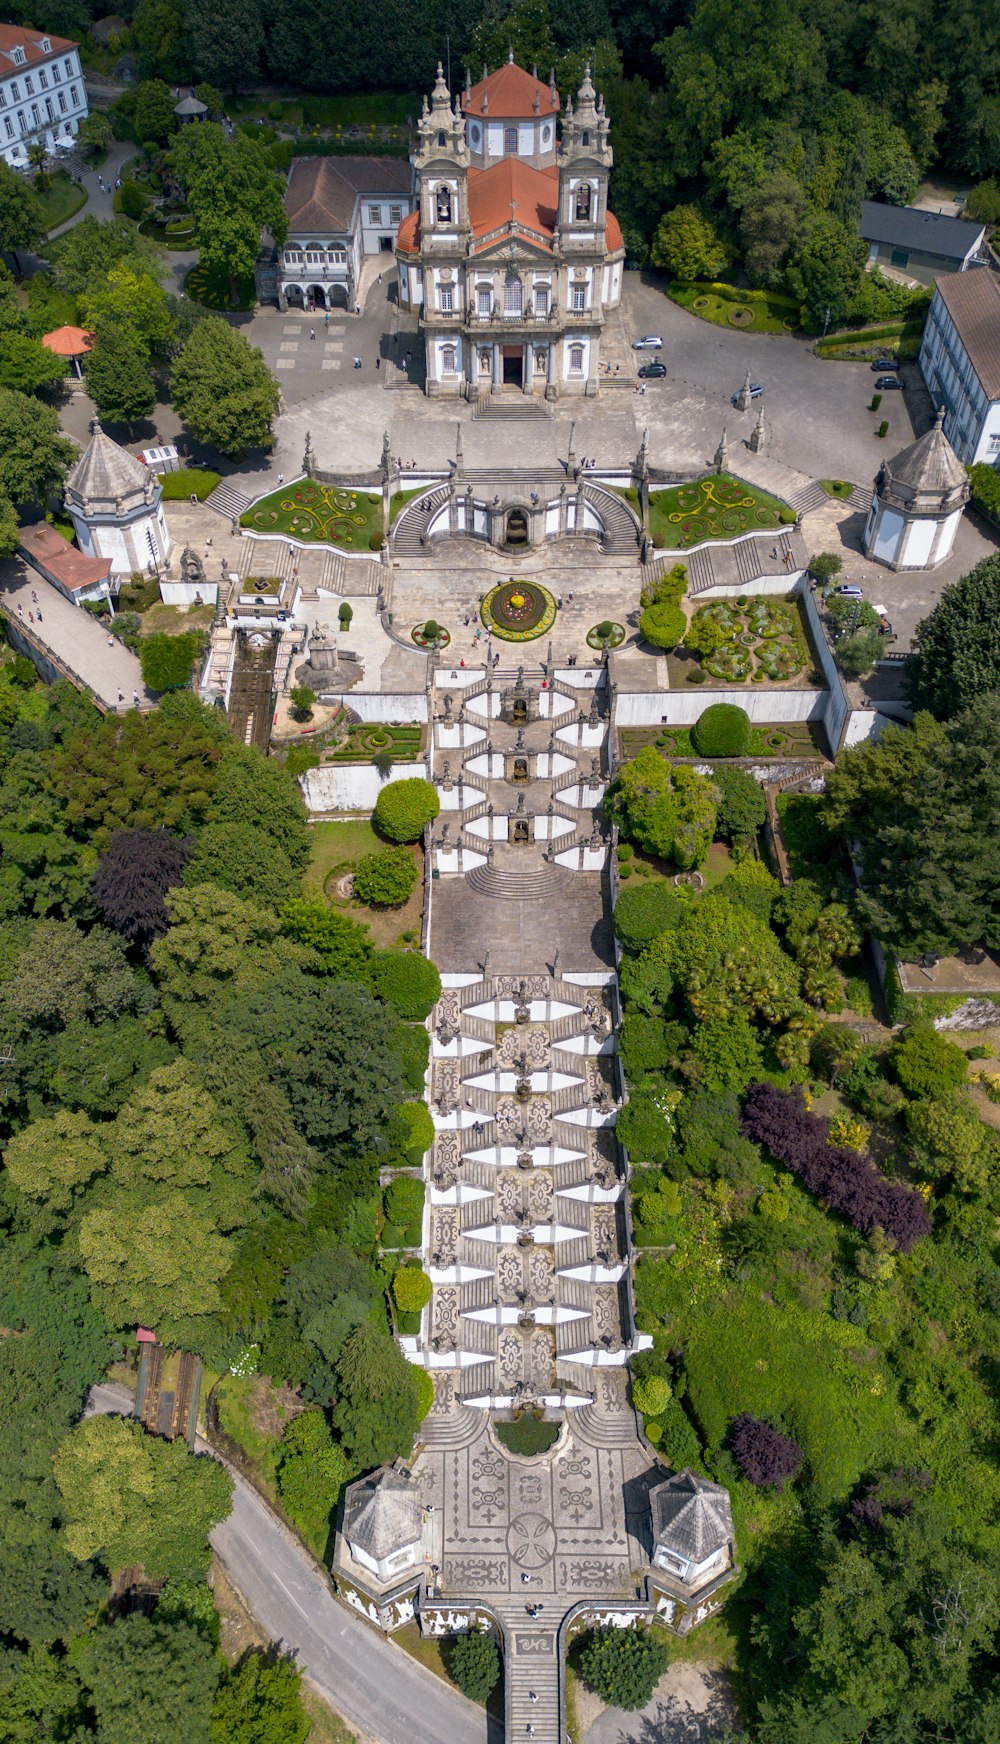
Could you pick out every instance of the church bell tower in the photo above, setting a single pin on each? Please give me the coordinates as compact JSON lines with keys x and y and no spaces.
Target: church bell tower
{"x":585,"y":160}
{"x":442,"y":164}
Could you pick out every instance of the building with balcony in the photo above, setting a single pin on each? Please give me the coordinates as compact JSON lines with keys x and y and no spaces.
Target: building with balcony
{"x":512,"y":258}
{"x":43,"y":98}
{"x":339,"y":210}
{"x":960,"y":362}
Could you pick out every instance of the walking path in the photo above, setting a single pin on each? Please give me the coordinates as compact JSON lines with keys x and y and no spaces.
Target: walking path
{"x":373,"y":1684}
{"x":70,"y":638}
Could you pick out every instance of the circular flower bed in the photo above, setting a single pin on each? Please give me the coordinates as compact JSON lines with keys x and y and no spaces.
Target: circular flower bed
{"x":418,"y":635}
{"x":518,"y":611}
{"x":740,"y":317}
{"x":617,"y":636}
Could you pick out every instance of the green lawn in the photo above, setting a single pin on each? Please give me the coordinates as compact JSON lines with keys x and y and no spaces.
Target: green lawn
{"x":320,"y":514}
{"x":188,"y":481}
{"x":716,"y":507}
{"x":337,"y":844}
{"x":751,"y":311}
{"x":60,"y":200}
{"x":836,"y":487}
{"x":399,"y":500}
{"x":527,"y":1436}
{"x":790,"y":739}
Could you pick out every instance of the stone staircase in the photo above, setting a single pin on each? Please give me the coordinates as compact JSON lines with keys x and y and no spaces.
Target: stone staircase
{"x":531,"y":1688}
{"x":813,"y":496}
{"x":228,"y":501}
{"x":512,"y":407}
{"x":512,"y":884}
{"x":621,"y":533}
{"x":412,"y":522}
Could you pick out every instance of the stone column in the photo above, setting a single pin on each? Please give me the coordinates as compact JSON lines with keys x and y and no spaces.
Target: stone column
{"x":550,"y":371}
{"x":527,"y":368}
{"x":497,"y":367}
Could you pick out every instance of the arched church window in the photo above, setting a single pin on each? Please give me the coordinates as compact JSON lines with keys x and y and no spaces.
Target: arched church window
{"x":583,"y":194}
{"x":510,"y":141}
{"x":442,"y":139}
{"x":443,"y":206}
{"x":586,"y":136}
{"x":513,"y":294}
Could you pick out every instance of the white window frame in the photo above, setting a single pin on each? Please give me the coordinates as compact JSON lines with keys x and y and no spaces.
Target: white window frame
{"x":449,"y":359}
{"x":541,"y":299}
{"x":576,"y":359}
{"x":446,"y":294}
{"x":578,"y":299}
{"x":395,"y":214}
{"x":17,"y":55}
{"x":62,"y":102}
{"x":509,"y":149}
{"x":484,"y":299}
{"x":374,"y":214}
{"x":9,"y":125}
{"x":513,"y":295}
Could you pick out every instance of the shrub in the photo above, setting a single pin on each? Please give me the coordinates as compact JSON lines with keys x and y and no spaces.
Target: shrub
{"x":385,"y":879}
{"x":722,"y":731}
{"x":678,"y":1442}
{"x":302,"y":757}
{"x":407,"y":981}
{"x":663,"y":624}
{"x":846,"y":1130}
{"x":925,"y":1064}
{"x":982,"y":203}
{"x":641,"y":915}
{"x":404,"y":1201}
{"x":652,"y":1395}
{"x":431,"y":630}
{"x":404,"y":808}
{"x":883,"y":429}
{"x":133,"y":201}
{"x":417,"y":1130}
{"x":412,"y":1289}
{"x":623,"y":1666}
{"x":624,"y":852}
{"x":847,"y":1181}
{"x":763,"y":1454}
{"x":302,"y":700}
{"x":474,"y":1663}
{"x":167,"y":661}
{"x":742,"y":806}
{"x":344,"y":615}
{"x":787,"y":517}
{"x":825,"y":565}
{"x":876,"y":401}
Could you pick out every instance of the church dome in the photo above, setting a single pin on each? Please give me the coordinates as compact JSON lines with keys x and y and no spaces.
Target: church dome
{"x":927,"y":476}
{"x":108,"y":479}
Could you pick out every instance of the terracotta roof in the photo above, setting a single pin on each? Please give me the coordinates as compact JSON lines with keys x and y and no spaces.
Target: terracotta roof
{"x":512,"y":192}
{"x":106,"y":473}
{"x":408,"y":235}
{"x":68,"y":341}
{"x":972,"y":299}
{"x":510,"y":94}
{"x":613,"y":233}
{"x":13,"y":36}
{"x":691,"y":1515}
{"x":322,"y":191}
{"x":49,"y":551}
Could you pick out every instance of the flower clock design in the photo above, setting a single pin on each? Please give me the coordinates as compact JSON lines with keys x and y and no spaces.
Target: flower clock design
{"x":518,"y":611}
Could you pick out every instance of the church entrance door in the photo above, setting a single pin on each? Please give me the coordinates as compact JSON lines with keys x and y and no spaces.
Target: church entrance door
{"x":513,"y":366}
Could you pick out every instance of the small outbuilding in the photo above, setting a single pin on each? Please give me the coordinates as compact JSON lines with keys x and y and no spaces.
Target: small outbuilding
{"x":917,"y":505}
{"x":190,"y":108}
{"x":116,"y":506}
{"x":382,"y":1518}
{"x":919,"y":243}
{"x":69,"y":342}
{"x":694,"y":1548}
{"x":77,"y":577}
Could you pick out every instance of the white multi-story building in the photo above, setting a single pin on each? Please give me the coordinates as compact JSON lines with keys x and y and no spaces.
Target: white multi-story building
{"x":960,"y":362}
{"x":512,"y":259}
{"x":339,"y":210}
{"x":43,"y":98}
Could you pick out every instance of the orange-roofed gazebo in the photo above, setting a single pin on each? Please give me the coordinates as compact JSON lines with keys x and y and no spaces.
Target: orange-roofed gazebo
{"x":71,"y":342}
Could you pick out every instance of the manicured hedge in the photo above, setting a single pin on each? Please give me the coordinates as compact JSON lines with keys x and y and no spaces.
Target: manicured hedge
{"x":722,"y":731}
{"x":408,"y":982}
{"x":663,"y":624}
{"x":403,"y":808}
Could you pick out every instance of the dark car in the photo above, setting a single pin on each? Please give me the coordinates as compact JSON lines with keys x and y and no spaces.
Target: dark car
{"x":652,"y":369}
{"x":755,"y":392}
{"x":883,"y":363}
{"x":888,"y":381}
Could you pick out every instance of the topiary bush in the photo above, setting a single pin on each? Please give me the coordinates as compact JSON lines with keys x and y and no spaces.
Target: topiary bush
{"x":663,"y":624}
{"x":474,"y":1664}
{"x":412,"y":1289}
{"x":722,"y":731}
{"x":404,"y":808}
{"x":417,"y":1131}
{"x":404,"y":1201}
{"x":651,"y":1395}
{"x":623,"y":1666}
{"x":408,"y":982}
{"x":385,"y":879}
{"x":641,"y":915}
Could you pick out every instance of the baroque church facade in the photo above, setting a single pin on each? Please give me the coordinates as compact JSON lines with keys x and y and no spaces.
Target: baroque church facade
{"x":511,"y":259}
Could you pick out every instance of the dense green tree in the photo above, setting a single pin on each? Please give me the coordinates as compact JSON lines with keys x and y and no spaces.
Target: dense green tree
{"x":133,"y":878}
{"x":726,"y":1053}
{"x":91,"y":249}
{"x":473,"y":1661}
{"x":159,"y":40}
{"x":149,"y":1681}
{"x":251,"y":789}
{"x":825,"y":269}
{"x":343,"y":947}
{"x":623,"y":1666}
{"x":20,"y":212}
{"x":154,"y":1260}
{"x":408,"y":982}
{"x":168,"y":661}
{"x":226,"y":44}
{"x":643,"y":911}
{"x":387,"y":878}
{"x":669,"y":811}
{"x":377,"y":1414}
{"x":404,"y":808}
{"x":119,"y":381}
{"x":155,"y":771}
{"x":259,"y":1701}
{"x":152,"y":107}
{"x":233,"y":195}
{"x":27,"y":365}
{"x":58,"y":975}
{"x":34,"y":454}
{"x":956,"y":649}
{"x":223,"y":388}
{"x":52,"y":1159}
{"x":927,"y":1064}
{"x":43,"y":869}
{"x":131,"y":301}
{"x":742,"y":807}
{"x":769,"y":222}
{"x":312,"y":1471}
{"x":132,"y":1498}
{"x":688,"y":245}
{"x":949,"y":1139}
{"x":10,"y":534}
{"x":96,"y":1067}
{"x":245,"y":860}
{"x":217,"y":946}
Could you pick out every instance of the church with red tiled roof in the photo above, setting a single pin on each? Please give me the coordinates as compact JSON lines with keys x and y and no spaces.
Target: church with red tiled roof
{"x":512,"y":258}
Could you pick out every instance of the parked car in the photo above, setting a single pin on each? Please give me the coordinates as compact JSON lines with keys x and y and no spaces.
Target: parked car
{"x":885,"y":382}
{"x":648,"y":342}
{"x":755,"y":392}
{"x":850,"y":590}
{"x":653,"y":369}
{"x":882,"y":363}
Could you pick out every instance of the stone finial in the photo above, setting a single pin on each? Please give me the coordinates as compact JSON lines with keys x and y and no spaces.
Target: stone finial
{"x":744,"y":399}
{"x":571,"y":456}
{"x":758,"y":435}
{"x":721,"y":458}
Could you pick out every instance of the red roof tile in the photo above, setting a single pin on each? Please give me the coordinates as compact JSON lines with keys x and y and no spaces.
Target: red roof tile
{"x":68,"y":341}
{"x":51,"y":553}
{"x":512,"y":192}
{"x":408,"y":235}
{"x":511,"y":93}
{"x":15,"y":36}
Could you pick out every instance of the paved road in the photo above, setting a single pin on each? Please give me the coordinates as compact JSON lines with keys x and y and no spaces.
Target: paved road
{"x":376,"y":1686}
{"x":110,"y":669}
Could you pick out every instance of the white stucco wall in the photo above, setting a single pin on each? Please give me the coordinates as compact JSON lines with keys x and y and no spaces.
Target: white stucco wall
{"x":401,"y":710}
{"x":353,"y":787}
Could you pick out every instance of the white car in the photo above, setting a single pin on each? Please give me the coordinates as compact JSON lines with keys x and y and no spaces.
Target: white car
{"x":649,"y":342}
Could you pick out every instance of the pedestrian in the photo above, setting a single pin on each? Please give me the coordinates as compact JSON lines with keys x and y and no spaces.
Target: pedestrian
{"x":20,"y":609}
{"x":461,"y":663}
{"x":326,"y":319}
{"x":281,"y":478}
{"x":380,"y":278}
{"x":532,"y":1696}
{"x":357,"y":308}
{"x":525,"y":1578}
{"x":121,"y":696}
{"x":569,"y":596}
{"x":34,"y":596}
{"x":135,"y":699}
{"x":31,"y":617}
{"x":39,"y":617}
{"x":357,"y":363}
{"x":559,"y":602}
{"x":312,"y":332}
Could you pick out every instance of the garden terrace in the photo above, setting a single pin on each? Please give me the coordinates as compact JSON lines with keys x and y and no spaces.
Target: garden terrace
{"x":716,"y":507}
{"x":320,"y":514}
{"x":785,"y":739}
{"x":764,"y":640}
